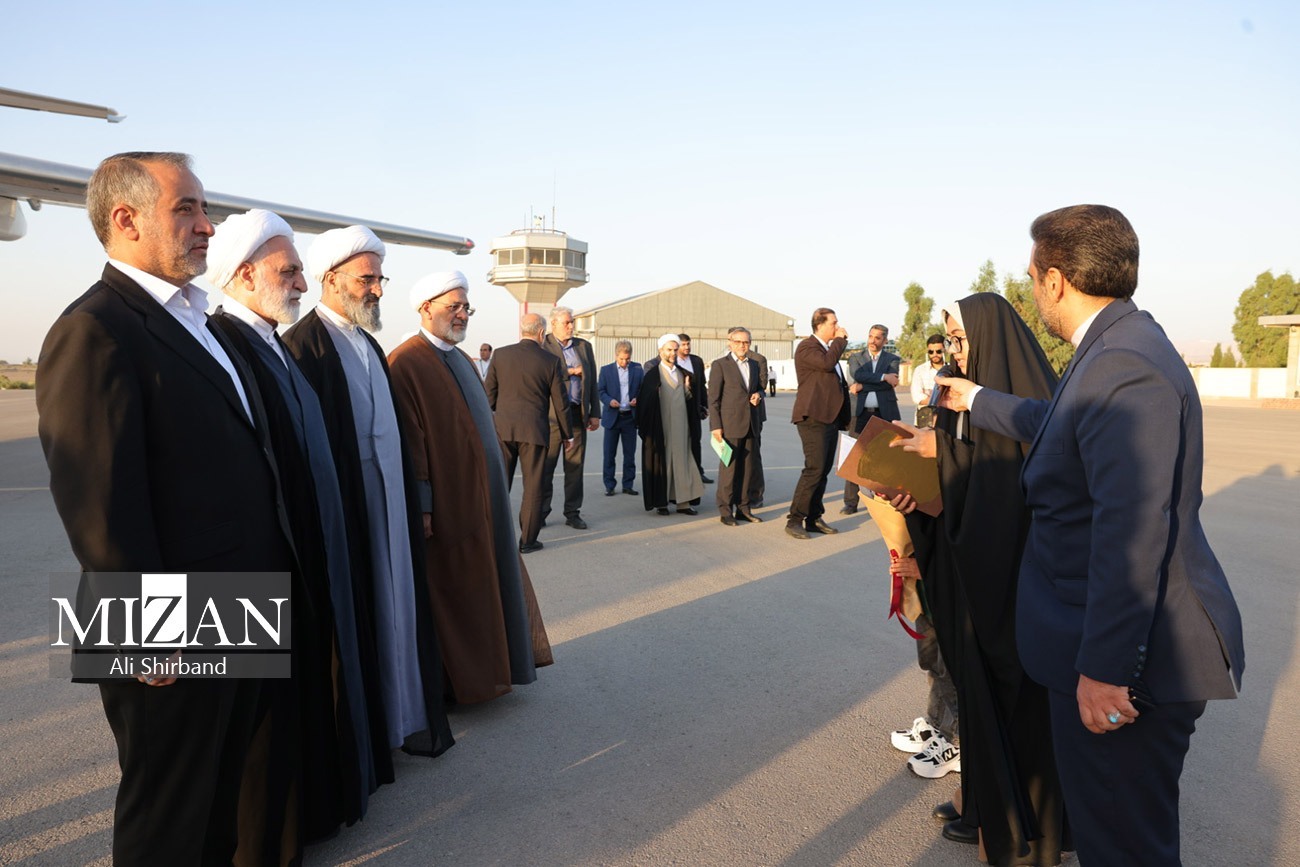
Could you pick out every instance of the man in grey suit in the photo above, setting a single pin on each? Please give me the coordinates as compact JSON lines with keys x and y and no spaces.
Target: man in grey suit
{"x":523,"y":386}
{"x":1123,"y":611}
{"x":735,"y":398}
{"x":875,"y":376}
{"x":582,"y":414}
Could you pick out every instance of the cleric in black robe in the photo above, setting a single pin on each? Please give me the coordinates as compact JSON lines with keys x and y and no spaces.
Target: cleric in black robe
{"x":970,"y":559}
{"x":315,"y":351}
{"x":310,"y":766}
{"x":669,"y":470}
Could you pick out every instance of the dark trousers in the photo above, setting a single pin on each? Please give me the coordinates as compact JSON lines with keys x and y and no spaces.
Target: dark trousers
{"x":572,"y":465}
{"x":941,"y":706}
{"x":738,"y":480}
{"x":622,"y":431}
{"x":818,"y":442}
{"x":1121,"y":788}
{"x":851,"y":488}
{"x":533,"y":458}
{"x":181,"y":750}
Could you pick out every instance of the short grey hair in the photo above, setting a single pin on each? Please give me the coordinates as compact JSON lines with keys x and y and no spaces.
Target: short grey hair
{"x":623,"y":346}
{"x":532,"y":325}
{"x":124,"y":179}
{"x":557,"y":312}
{"x":883,"y":329}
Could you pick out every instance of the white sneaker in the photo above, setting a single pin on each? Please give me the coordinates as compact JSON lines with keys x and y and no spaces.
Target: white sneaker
{"x":913,"y":740}
{"x":937,"y":759}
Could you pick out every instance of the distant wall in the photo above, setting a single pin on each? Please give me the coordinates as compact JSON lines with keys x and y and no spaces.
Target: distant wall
{"x":1244,"y":382}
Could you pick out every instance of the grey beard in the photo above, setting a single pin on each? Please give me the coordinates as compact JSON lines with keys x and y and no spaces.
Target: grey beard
{"x":361,"y":315}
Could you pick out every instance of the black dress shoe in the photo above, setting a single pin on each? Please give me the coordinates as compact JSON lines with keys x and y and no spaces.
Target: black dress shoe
{"x":796,"y":530}
{"x":820,"y":526}
{"x":663,"y":510}
{"x":706,"y":479}
{"x":529,"y":547}
{"x":946,"y":812}
{"x":576,"y":523}
{"x":609,"y":493}
{"x":630,"y":491}
{"x":959,"y":832}
{"x":687,"y":511}
{"x":849,"y":510}
{"x":729,"y":520}
{"x":748,"y":515}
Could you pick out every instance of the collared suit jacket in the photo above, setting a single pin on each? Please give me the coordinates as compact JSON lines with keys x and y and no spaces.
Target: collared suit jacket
{"x":729,"y":408}
{"x":128,"y":401}
{"x":872,"y":382}
{"x":525,"y":390}
{"x":1118,"y":581}
{"x":607,"y":389}
{"x":822,"y":395}
{"x":587,"y":357}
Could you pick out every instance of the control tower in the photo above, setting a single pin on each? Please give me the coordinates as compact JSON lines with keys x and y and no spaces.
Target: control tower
{"x":538,"y":266}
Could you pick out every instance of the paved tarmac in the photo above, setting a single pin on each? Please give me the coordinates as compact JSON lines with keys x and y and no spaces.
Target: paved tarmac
{"x":720,"y":695}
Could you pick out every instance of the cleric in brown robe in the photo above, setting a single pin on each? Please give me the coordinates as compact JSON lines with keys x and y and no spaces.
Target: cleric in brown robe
{"x":489,"y":626}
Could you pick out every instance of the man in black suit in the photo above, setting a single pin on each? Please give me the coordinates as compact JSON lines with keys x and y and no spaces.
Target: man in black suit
{"x":523,"y":387}
{"x":821,"y":411}
{"x":735,"y":396}
{"x":132,"y":385}
{"x":1123,"y":611}
{"x":582,"y":414}
{"x":875,"y":376}
{"x":694,"y":365}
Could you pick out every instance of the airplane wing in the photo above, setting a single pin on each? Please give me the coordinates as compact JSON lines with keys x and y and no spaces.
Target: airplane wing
{"x":40,"y":181}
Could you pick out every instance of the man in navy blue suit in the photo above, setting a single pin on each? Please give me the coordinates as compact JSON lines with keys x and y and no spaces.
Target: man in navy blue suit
{"x":1123,"y":612}
{"x":616,"y":387}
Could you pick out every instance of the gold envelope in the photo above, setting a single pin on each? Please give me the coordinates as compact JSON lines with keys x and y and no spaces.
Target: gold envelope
{"x":872,"y":464}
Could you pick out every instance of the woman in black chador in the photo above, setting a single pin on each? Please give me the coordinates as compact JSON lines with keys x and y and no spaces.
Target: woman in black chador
{"x":970,"y":558}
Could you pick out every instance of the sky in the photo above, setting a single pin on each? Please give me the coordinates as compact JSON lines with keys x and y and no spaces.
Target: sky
{"x":799,"y":155}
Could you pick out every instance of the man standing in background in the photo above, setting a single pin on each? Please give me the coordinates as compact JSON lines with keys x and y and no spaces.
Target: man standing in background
{"x":484,"y":359}
{"x":617,"y":390}
{"x":694,"y":365}
{"x":821,"y":411}
{"x":583,"y":412}
{"x":523,"y":387}
{"x":735,"y":395}
{"x":875,"y":376}
{"x":923,"y":377}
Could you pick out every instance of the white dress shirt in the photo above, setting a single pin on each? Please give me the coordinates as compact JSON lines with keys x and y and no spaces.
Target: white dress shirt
{"x":188,"y":305}
{"x":264,"y":329}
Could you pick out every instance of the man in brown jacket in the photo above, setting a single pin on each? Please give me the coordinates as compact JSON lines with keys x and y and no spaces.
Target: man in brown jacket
{"x":821,"y":410}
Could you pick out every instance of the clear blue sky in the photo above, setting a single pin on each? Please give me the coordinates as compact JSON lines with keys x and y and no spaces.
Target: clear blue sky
{"x":799,"y":154}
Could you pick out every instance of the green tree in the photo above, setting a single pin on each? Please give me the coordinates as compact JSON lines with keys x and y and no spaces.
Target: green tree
{"x":1216,"y":357}
{"x":1229,"y":360}
{"x":916,"y":324}
{"x":1270,"y":296}
{"x":1019,"y":291}
{"x":987,"y":281}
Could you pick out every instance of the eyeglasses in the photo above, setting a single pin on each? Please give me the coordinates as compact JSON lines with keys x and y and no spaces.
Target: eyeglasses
{"x":954,"y":344}
{"x":370,"y":281}
{"x":458,"y":307}
{"x":934,"y":352}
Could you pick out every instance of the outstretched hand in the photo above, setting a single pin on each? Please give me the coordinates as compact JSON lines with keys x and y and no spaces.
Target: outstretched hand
{"x":920,"y":442}
{"x":956,"y":392}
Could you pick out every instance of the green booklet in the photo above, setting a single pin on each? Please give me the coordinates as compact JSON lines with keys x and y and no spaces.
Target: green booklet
{"x":723,"y":450}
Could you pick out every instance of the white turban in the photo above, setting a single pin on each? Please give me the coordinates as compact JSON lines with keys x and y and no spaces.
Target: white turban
{"x":669,"y":338}
{"x":235,"y":240}
{"x":339,"y":245}
{"x":434,"y":285}
{"x":953,"y":310}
